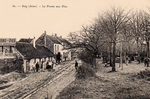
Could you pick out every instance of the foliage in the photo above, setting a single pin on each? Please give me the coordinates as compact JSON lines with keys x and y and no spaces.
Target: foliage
{"x":144,"y":75}
{"x":70,"y":93}
{"x":85,"y":56}
{"x":130,"y":93}
{"x":84,"y":71}
{"x":11,"y":65}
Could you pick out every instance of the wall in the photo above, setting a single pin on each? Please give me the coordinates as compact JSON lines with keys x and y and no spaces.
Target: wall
{"x":6,"y":52}
{"x":57,"y":48}
{"x":30,"y":64}
{"x":67,"y":54}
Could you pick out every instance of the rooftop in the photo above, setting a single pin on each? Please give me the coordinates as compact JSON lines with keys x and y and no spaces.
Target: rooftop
{"x":29,"y":52}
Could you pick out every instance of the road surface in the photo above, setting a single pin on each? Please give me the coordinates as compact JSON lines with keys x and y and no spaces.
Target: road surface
{"x":39,"y":85}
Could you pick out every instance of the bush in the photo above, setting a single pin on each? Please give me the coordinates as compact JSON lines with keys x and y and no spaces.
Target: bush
{"x":10,"y":65}
{"x":85,"y":56}
{"x":85,"y":71}
{"x":144,"y":74}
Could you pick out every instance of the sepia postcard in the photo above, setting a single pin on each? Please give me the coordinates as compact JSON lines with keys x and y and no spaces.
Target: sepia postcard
{"x":74,"y":49}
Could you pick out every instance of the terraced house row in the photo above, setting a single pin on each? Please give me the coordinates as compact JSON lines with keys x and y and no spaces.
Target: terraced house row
{"x":28,"y":51}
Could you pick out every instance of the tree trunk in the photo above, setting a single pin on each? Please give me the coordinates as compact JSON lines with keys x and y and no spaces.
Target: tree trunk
{"x":94,"y":62}
{"x":114,"y":56}
{"x":110,"y":55}
{"x":147,"y":51}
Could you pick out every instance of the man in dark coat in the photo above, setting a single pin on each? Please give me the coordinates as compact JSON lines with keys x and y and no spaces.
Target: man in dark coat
{"x":76,"y":65}
{"x":58,"y":57}
{"x":37,"y":67}
{"x":146,"y":61}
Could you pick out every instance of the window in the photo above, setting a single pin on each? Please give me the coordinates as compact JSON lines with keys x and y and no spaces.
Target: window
{"x":1,"y":49}
{"x":11,"y":49}
{"x":34,"y":60}
{"x":58,"y":48}
{"x":55,"y":49}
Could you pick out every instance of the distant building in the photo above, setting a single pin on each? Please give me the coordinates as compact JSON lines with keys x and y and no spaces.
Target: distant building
{"x":25,"y":40}
{"x":32,"y":54}
{"x":55,"y":44}
{"x":7,"y":48}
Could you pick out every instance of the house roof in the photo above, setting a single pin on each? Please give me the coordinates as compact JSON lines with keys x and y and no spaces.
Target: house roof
{"x":63,"y":40}
{"x":49,"y":38}
{"x":54,"y":39}
{"x":40,"y":40}
{"x":25,"y":40}
{"x":29,"y":52}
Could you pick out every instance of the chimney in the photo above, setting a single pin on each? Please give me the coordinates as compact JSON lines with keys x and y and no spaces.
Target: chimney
{"x":45,"y":39}
{"x":60,"y":36}
{"x":34,"y":42}
{"x":55,"y":34}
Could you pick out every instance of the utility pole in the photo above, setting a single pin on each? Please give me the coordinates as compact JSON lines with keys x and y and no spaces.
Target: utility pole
{"x":45,"y":38}
{"x":121,"y":64}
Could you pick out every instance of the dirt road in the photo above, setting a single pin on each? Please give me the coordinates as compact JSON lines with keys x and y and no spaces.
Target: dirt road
{"x":39,"y":85}
{"x":56,"y":85}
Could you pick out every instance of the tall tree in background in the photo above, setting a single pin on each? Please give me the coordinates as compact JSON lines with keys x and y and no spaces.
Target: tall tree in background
{"x":141,"y":28}
{"x":111,"y":22}
{"x":138,"y":26}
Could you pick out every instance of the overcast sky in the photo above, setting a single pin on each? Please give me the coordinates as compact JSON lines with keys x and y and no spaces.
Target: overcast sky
{"x":20,"y":22}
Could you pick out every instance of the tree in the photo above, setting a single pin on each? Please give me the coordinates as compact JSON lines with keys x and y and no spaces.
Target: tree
{"x":92,"y":40}
{"x":140,"y":28}
{"x":111,"y":22}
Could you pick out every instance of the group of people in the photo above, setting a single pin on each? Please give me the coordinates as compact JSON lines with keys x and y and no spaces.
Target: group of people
{"x":49,"y":65}
{"x":146,"y":61}
{"x":43,"y":65}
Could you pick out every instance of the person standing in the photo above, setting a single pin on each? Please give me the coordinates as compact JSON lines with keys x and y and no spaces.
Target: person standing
{"x":76,"y":65}
{"x":53,"y":62}
{"x":50,"y":64}
{"x":37,"y":67}
{"x":127,"y":60}
{"x":33,"y":67}
{"x":58,"y":58}
{"x":44,"y":65}
{"x":146,"y":61}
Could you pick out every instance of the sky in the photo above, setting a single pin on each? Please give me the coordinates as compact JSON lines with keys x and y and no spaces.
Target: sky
{"x":19,"y":20}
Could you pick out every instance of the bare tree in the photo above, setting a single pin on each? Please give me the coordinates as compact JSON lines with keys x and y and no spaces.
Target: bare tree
{"x":111,"y":22}
{"x":93,"y":39}
{"x":140,"y":27}
{"x":146,"y":33}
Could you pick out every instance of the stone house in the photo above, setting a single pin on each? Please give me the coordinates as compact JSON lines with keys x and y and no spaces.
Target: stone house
{"x":55,"y":44}
{"x":32,"y":54}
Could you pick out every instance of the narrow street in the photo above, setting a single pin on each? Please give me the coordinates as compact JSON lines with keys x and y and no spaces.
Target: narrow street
{"x":39,"y":85}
